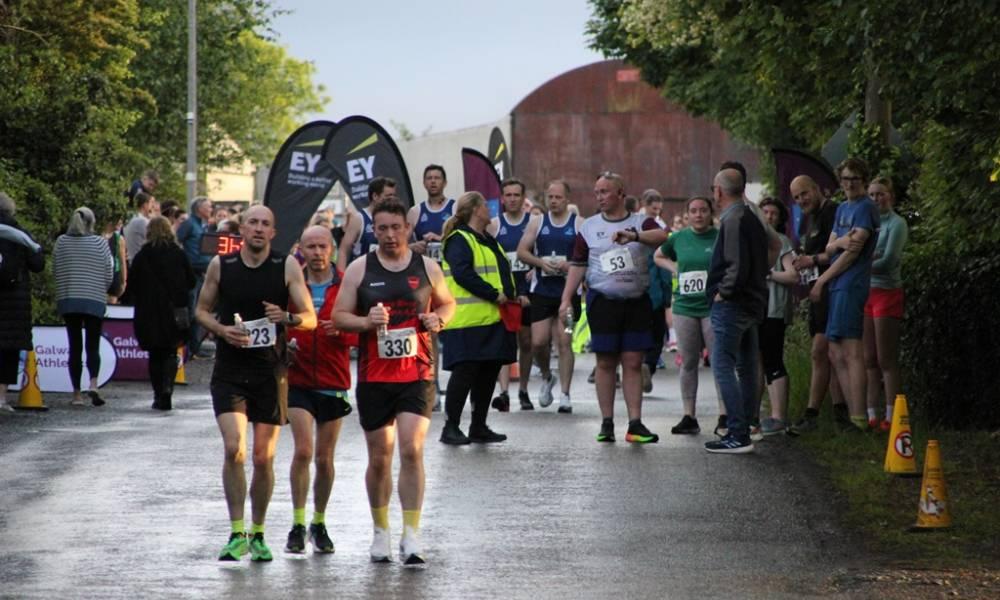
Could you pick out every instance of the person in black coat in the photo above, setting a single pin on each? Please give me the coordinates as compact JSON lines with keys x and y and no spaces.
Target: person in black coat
{"x":15,"y":297}
{"x":160,"y":277}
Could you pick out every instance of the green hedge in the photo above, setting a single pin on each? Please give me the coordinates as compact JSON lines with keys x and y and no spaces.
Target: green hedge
{"x":950,"y":352}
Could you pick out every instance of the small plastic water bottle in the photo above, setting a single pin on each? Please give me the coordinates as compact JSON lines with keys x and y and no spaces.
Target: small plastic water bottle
{"x":383,"y":330}
{"x":569,"y":322}
{"x":238,"y":321}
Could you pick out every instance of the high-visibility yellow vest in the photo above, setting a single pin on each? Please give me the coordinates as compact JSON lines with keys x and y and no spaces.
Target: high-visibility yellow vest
{"x":471,"y":310}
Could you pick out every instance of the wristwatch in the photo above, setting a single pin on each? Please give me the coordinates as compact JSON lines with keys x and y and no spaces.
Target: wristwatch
{"x":289,"y":318}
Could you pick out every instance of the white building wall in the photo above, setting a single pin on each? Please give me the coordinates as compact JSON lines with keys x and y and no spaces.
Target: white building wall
{"x":445,"y":149}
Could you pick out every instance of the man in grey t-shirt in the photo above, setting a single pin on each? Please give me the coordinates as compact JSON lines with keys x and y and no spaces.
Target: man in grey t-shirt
{"x":135,"y":229}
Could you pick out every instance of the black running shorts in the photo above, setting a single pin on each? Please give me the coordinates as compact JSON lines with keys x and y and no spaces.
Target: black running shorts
{"x":619,"y":324}
{"x":546,"y":307}
{"x":323,"y":407}
{"x":263,"y":396}
{"x":379,"y":403}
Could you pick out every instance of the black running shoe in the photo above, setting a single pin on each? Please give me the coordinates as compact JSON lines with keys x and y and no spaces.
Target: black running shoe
{"x":842,"y":418}
{"x":485,"y":435}
{"x":525,"y":401}
{"x":296,"y":543}
{"x":320,"y":539}
{"x":688,"y":425}
{"x":501,"y":402}
{"x":607,"y":433}
{"x":638,"y":434}
{"x":452,"y":435}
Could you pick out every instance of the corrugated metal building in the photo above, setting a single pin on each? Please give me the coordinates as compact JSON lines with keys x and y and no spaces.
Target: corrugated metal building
{"x":604,"y":117}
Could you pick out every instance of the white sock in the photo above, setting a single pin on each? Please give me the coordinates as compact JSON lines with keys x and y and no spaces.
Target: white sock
{"x":871,"y":413}
{"x":888,"y":413}
{"x":673,"y":336}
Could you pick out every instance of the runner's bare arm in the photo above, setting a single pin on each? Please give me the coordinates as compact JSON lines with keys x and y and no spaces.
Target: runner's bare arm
{"x":573,"y":280}
{"x":442,"y":302}
{"x":840,"y":264}
{"x":205,"y":307}
{"x":305,"y":319}
{"x":663,"y":262}
{"x":526,"y":247}
{"x":344,"y":317}
{"x":352,"y":231}
{"x":418,"y":246}
{"x":494,"y":226}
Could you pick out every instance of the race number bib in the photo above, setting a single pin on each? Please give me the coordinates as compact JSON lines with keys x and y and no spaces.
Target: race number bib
{"x":809,"y":275}
{"x":692,"y":283}
{"x":434,"y":251}
{"x":398,"y":343}
{"x":617,"y":260}
{"x":516,"y":265}
{"x":553,"y":260}
{"x":262,"y":333}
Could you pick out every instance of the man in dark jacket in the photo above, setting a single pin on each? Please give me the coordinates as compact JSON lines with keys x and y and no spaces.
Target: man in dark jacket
{"x":737,"y":290}
{"x":15,"y":298}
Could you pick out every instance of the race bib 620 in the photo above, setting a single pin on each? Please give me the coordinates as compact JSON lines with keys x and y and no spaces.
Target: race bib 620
{"x":692,"y":283}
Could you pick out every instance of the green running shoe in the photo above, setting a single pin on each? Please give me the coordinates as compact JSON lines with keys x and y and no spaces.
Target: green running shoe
{"x":235,"y":548}
{"x":638,"y":434}
{"x":607,"y":433}
{"x":259,"y":552}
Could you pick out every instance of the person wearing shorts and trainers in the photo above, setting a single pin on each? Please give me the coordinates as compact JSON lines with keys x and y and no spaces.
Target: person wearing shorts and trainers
{"x":508,"y":227}
{"x":546,"y":245}
{"x":884,"y":309}
{"x":851,"y":248}
{"x":812,"y":262}
{"x":688,"y":253}
{"x":394,"y":298}
{"x":319,"y":376}
{"x":244,"y":303}
{"x":612,"y":251}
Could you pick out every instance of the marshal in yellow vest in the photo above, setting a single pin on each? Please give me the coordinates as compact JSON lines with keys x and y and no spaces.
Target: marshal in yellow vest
{"x":473,"y":311}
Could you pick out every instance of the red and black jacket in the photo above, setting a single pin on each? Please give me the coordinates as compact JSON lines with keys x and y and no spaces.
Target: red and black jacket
{"x":322,"y":362}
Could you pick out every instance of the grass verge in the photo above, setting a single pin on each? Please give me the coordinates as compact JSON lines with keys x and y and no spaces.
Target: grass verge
{"x":881,"y":506}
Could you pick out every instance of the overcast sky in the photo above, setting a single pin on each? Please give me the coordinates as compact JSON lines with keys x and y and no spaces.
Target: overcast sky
{"x":439,"y":64}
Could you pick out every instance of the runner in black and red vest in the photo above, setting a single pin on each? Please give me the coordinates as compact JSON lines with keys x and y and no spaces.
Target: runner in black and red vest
{"x":318,"y":379}
{"x":395,"y":299}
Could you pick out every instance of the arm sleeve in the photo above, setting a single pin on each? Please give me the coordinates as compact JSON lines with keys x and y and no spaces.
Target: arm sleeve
{"x":581,"y":251}
{"x":650,"y":223}
{"x":668,"y":249}
{"x":460,"y":261}
{"x":183,"y":232}
{"x":730,"y":257}
{"x":893,"y":253}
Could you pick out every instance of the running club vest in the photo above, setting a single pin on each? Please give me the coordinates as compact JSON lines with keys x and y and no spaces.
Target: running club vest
{"x":509,"y":236}
{"x":433,"y":222}
{"x":553,"y":241}
{"x":405,"y":354}
{"x":243,"y":290}
{"x":615,"y":270}
{"x":366,"y":239}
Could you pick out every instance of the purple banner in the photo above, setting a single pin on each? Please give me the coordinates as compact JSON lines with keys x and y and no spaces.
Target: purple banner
{"x":480,"y":176}
{"x":133,"y":361}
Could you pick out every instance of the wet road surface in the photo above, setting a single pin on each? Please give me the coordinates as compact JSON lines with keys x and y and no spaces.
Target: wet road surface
{"x":122,"y":502}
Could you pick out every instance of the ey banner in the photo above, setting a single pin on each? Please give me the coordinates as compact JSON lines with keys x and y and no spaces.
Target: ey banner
{"x":299,"y":181}
{"x":499,"y":153}
{"x":480,"y":176}
{"x":359,"y":150}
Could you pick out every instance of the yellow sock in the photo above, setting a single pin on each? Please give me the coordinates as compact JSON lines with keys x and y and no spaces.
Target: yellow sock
{"x":255,"y":528}
{"x":411,"y":519}
{"x":380,"y":516}
{"x":237,"y":526}
{"x":318,"y":518}
{"x":298,"y":516}
{"x":860,"y":422}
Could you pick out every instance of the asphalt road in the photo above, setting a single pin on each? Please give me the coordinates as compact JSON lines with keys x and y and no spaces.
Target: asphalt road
{"x":122,"y":502}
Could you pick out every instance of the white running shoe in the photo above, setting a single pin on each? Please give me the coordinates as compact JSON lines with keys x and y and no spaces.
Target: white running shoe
{"x":411,"y":552}
{"x":545,"y":396}
{"x":4,"y":407}
{"x":381,"y":550}
{"x":565,"y":406}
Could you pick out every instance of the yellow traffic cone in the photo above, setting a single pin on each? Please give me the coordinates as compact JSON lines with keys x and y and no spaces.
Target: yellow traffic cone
{"x":180,"y":378}
{"x":30,"y":397}
{"x":899,"y":455}
{"x":932,"y":512}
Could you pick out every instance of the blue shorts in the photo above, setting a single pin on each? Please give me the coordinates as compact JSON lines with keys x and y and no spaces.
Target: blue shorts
{"x":619,"y":325}
{"x":846,"y":319}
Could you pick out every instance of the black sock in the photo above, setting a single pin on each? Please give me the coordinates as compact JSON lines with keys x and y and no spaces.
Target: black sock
{"x":812,"y":412}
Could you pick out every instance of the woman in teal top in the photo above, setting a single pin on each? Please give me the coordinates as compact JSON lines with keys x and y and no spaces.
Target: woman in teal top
{"x":884,"y":309}
{"x":687,"y":254}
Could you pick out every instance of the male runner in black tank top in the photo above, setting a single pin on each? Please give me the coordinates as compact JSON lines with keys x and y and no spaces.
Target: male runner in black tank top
{"x":405,"y":294}
{"x":248,"y":381}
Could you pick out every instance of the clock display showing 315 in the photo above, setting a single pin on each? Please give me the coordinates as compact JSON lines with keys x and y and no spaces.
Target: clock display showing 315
{"x":220,"y":243}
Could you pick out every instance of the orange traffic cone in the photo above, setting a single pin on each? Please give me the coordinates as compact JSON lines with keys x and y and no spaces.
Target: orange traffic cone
{"x":899,"y":455}
{"x":30,"y":397}
{"x":180,"y":378}
{"x":932,"y":511}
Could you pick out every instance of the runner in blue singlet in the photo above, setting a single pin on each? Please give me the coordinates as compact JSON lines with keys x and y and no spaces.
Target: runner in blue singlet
{"x":508,"y":228}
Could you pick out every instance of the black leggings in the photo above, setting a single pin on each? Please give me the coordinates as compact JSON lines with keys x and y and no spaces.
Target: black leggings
{"x":162,"y":371}
{"x":477,"y":377}
{"x":772,"y":348}
{"x":75,"y":325}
